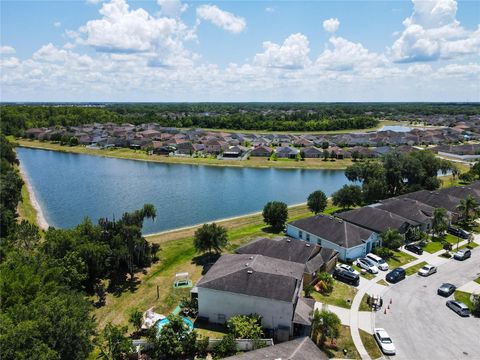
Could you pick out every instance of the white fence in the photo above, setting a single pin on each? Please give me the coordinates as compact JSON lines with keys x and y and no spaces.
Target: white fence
{"x":242,"y":344}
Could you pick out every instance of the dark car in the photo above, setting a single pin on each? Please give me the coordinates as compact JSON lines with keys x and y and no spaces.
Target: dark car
{"x":346,"y":276}
{"x":395,"y":275}
{"x":459,"y":307}
{"x":414,"y":248}
{"x":446,"y":289}
{"x":458,"y":232}
{"x":462,"y":254}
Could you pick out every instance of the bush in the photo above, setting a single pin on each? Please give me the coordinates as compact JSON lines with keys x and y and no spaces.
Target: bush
{"x":383,"y":252}
{"x":226,"y":347}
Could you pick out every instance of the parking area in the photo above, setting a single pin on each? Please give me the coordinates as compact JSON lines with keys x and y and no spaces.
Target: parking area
{"x":421,"y":325}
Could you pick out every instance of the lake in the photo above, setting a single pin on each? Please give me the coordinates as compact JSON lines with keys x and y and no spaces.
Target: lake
{"x":69,"y":187}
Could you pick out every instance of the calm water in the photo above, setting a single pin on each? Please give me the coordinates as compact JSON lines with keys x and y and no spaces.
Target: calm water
{"x":70,"y":186}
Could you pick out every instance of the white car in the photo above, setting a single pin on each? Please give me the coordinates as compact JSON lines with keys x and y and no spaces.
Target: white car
{"x":427,"y":270}
{"x":377,"y":261}
{"x":348,"y":268}
{"x":384,"y":341}
{"x":366,"y":264}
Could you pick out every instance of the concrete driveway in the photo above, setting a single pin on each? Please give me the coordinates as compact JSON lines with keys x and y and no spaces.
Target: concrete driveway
{"x":421,"y":325}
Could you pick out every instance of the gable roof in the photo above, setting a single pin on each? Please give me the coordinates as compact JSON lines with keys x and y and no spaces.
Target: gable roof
{"x":335,"y":230}
{"x":304,"y":311}
{"x":408,"y":208}
{"x":281,"y":248}
{"x":435,"y":199}
{"x":298,"y":349}
{"x":254,"y":275}
{"x":376,"y":219}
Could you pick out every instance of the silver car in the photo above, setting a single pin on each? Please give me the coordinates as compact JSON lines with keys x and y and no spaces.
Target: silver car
{"x":384,"y":341}
{"x":459,"y":307}
{"x":368,"y":265}
{"x":427,"y":270}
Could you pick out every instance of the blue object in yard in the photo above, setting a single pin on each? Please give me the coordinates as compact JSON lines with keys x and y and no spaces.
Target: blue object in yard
{"x":161,"y":323}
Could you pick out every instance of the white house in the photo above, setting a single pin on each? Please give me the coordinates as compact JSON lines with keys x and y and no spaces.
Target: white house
{"x":351,"y":241}
{"x":242,"y":284}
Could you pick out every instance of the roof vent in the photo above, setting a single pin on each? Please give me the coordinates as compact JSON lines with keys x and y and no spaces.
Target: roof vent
{"x":251,"y":257}
{"x":250,"y":272}
{"x":247,"y":264}
{"x":307,"y":245}
{"x":288,"y":240}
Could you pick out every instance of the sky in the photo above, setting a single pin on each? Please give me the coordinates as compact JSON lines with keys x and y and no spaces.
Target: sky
{"x":172,"y":50}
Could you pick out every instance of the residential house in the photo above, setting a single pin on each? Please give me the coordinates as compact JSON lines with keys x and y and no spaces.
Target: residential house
{"x":314,"y":258}
{"x":410,"y":209}
{"x":436,"y":199}
{"x":349,"y":240}
{"x":311,"y":152}
{"x":286,"y":152}
{"x":243,"y":284}
{"x":264,"y":151}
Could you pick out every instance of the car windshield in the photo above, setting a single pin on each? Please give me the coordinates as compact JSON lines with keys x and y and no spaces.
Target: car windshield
{"x":385,"y":340}
{"x":426,"y":268}
{"x":381,"y":261}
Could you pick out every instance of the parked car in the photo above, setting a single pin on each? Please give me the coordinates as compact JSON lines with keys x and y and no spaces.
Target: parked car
{"x":346,"y":276}
{"x":414,"y":248}
{"x":459,"y":307}
{"x":458,"y":232}
{"x":427,"y":270}
{"x":384,"y":341}
{"x":366,"y":264}
{"x":377,"y":261}
{"x":396,"y":275}
{"x":446,"y":289}
{"x":462,"y":254}
{"x":348,"y":268}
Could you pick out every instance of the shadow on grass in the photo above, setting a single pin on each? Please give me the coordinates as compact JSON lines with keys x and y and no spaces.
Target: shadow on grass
{"x":121,"y":283}
{"x":205,"y":261}
{"x":271,"y":230}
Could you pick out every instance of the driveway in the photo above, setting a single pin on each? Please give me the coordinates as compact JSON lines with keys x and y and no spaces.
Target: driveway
{"x":421,"y":325}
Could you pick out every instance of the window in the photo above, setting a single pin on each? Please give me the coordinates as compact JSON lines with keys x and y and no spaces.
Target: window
{"x":221,"y":318}
{"x":308,"y":237}
{"x":300,"y":234}
{"x":319,"y":241}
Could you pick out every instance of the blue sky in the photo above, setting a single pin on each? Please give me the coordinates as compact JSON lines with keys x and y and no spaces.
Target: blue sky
{"x":167,"y":50}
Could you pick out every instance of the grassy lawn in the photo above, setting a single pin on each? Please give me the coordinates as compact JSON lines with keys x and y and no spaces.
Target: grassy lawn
{"x":383,"y":282}
{"x":472,"y":245}
{"x":177,"y":254}
{"x":463,"y":297}
{"x":344,"y":341}
{"x":339,"y":297}
{"x":437,"y":245}
{"x":363,"y":304}
{"x":370,"y":345}
{"x":122,"y":153}
{"x":399,"y":258}
{"x":414,"y":269}
{"x":213,"y":331}
{"x":25,"y":209}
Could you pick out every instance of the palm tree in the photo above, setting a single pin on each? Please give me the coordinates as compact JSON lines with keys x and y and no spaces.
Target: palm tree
{"x":326,"y":323}
{"x":392,"y":239}
{"x":439,"y":222}
{"x":469,"y":209}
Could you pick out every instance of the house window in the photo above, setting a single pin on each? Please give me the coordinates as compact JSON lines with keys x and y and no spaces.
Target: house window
{"x":308,"y":237}
{"x":221,"y":318}
{"x":319,"y":241}
{"x":300,"y":234}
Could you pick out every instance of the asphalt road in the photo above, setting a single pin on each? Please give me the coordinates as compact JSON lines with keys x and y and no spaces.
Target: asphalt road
{"x":420,"y":324}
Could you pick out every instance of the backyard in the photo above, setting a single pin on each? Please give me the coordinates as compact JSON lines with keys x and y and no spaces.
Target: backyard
{"x":342,"y":295}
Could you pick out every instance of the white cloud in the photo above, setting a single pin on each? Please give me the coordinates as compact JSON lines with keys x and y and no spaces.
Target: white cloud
{"x":347,"y":56}
{"x":221,"y":18}
{"x":121,"y":30}
{"x":57,"y":24}
{"x":292,"y":54}
{"x":172,"y":8}
{"x":7,"y":50}
{"x":432,"y":32}
{"x":331,"y":25}
{"x":269,"y":9}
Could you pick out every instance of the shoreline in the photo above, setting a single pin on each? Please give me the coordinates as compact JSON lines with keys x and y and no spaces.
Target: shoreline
{"x":221,"y":220}
{"x":128,"y":154}
{"x":40,"y":217}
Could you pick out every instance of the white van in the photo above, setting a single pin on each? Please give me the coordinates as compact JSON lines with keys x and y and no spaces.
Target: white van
{"x":378,"y":261}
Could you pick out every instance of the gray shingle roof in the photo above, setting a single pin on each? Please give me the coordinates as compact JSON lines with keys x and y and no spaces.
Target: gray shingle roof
{"x":375,"y":219}
{"x":281,"y":248}
{"x":298,"y":349}
{"x":408,"y":208}
{"x":435,"y":199}
{"x":334,"y":230}
{"x":304,"y":311}
{"x":254,"y":275}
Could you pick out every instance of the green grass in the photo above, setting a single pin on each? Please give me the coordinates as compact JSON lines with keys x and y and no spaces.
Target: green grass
{"x":26,"y":211}
{"x":463,"y":297}
{"x":344,"y":341}
{"x":399,"y":258}
{"x":433,"y":247}
{"x":342,"y":295}
{"x":414,"y":269}
{"x":472,"y":245}
{"x":213,"y":331}
{"x":363,"y":304}
{"x":370,"y":345}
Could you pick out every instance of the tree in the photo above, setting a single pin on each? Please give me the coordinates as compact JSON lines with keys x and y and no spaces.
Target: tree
{"x":226,"y":347}
{"x":347,"y":196}
{"x":27,"y":235}
{"x":113,"y":343}
{"x":326,"y":324}
{"x":245,"y":326}
{"x":317,"y":201}
{"x":469,"y":209}
{"x":176,"y":340}
{"x":135,"y":318}
{"x":275,"y":214}
{"x":325,"y":283}
{"x":210,"y":238}
{"x":439,"y":222}
{"x":392,"y":239}
{"x":325,"y":155}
